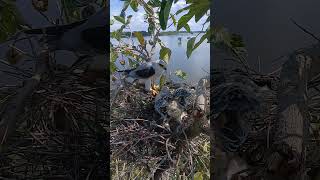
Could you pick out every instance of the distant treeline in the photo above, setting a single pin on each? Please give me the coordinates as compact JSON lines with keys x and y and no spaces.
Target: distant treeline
{"x":145,"y":33}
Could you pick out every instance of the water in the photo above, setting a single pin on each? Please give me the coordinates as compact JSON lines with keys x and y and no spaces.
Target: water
{"x":196,"y":67}
{"x":266,"y":27}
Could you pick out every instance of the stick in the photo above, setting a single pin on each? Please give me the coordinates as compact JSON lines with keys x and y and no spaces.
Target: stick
{"x":305,"y":30}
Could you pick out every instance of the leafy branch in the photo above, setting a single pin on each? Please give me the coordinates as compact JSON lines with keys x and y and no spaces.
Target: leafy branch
{"x":145,"y":50}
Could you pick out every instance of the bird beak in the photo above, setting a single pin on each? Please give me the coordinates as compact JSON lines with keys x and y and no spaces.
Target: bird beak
{"x":163,"y":66}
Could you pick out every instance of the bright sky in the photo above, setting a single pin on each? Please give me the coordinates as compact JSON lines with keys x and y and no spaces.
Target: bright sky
{"x":137,"y":21}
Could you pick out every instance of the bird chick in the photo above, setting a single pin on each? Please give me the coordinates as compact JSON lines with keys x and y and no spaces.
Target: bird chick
{"x":175,"y":116}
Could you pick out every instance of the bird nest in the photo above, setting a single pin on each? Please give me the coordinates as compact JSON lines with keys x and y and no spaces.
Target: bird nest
{"x":62,"y":133}
{"x":142,"y":146}
{"x":264,"y":122}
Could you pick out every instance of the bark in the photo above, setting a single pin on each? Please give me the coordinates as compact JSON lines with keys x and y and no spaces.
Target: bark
{"x":16,"y":105}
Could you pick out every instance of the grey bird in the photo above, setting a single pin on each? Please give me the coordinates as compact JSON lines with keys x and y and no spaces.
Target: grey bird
{"x":146,"y":73}
{"x":88,"y":37}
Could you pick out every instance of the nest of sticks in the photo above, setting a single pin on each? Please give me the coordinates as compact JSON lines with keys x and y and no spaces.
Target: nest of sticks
{"x":265,"y":122}
{"x":143,"y":147}
{"x":62,"y":133}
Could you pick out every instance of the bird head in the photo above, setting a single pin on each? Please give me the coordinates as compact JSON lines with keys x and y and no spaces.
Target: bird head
{"x":161,"y":64}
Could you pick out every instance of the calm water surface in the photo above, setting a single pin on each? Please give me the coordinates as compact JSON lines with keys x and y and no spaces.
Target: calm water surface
{"x":196,"y":67}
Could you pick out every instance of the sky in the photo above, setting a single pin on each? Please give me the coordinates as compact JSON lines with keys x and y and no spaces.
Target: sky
{"x":137,"y":21}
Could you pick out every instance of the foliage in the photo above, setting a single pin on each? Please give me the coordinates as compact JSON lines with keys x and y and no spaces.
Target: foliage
{"x":145,"y":49}
{"x":181,"y":74}
{"x":157,"y":15}
{"x":9,"y":20}
{"x":230,"y":42}
{"x":74,"y":10}
{"x":196,"y":9}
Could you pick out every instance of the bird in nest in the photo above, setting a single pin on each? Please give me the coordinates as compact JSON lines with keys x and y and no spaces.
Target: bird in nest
{"x":235,"y":97}
{"x":146,"y":73}
{"x":174,"y":107}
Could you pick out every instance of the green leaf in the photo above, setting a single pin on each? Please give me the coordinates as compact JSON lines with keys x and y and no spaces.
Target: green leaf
{"x":236,"y":40}
{"x":116,"y":35}
{"x":203,"y":37}
{"x":120,"y":19}
{"x":190,"y":46}
{"x":113,"y":56}
{"x":198,"y":176}
{"x":187,"y":27}
{"x":184,"y":20}
{"x":164,"y":13}
{"x":182,"y":75}
{"x":200,"y":8}
{"x":132,"y":63}
{"x":192,"y":1}
{"x":208,"y":19}
{"x":10,"y":19}
{"x":173,"y":20}
{"x":113,"y":68}
{"x":200,"y":13}
{"x":165,"y":54}
{"x":140,"y":38}
{"x":134,"y":5}
{"x":183,"y":9}
{"x":162,"y":81}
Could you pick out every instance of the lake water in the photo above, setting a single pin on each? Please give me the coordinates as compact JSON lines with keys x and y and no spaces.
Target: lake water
{"x":266,"y":27}
{"x":196,"y":67}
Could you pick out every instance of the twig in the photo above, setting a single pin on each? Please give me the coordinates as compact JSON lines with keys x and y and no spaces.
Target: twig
{"x":305,"y":30}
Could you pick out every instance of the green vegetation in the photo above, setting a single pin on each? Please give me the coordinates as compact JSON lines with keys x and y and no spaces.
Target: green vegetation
{"x":157,"y":15}
{"x":9,"y":20}
{"x":165,"y":33}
